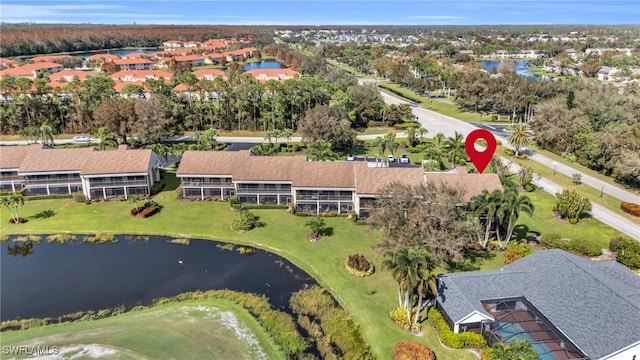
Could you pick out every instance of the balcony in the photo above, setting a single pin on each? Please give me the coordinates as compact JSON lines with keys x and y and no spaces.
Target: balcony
{"x":52,"y":181}
{"x":117,"y":183}
{"x":324,"y":197}
{"x":206,"y":184}
{"x":11,"y":178}
{"x":262,"y":190}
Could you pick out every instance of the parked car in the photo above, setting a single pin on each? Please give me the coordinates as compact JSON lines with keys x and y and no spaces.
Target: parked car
{"x":404,"y":159}
{"x":391,"y":158}
{"x":350,"y":157}
{"x":81,"y":139}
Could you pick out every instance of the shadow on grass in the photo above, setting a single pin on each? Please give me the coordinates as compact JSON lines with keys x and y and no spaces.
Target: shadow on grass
{"x":44,"y":214}
{"x":170,"y":180}
{"x":327,"y":231}
{"x":472,"y":261}
{"x":522,"y":232}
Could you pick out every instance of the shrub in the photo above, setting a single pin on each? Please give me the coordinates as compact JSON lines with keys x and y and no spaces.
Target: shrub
{"x":515,"y":251}
{"x":553,"y":241}
{"x":576,"y":178}
{"x":408,"y":350}
{"x":451,"y":339}
{"x":148,"y":211}
{"x":509,"y":152}
{"x":47,"y":197}
{"x":399,"y":316}
{"x":570,"y":204}
{"x":233,"y":200}
{"x":628,"y":252}
{"x":246,"y":221}
{"x":358,"y":265}
{"x":522,"y":156}
{"x":630,"y":208}
{"x":157,"y":188}
{"x":406,"y":125}
{"x":613,"y":243}
{"x":529,"y":187}
{"x":585,"y":247}
{"x":79,"y":197}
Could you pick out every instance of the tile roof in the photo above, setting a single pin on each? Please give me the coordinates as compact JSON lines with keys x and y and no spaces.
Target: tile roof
{"x":12,"y":156}
{"x":49,"y":58}
{"x":125,"y":75}
{"x":213,"y":73}
{"x":325,"y":174}
{"x":68,"y":75}
{"x":131,"y":61}
{"x":594,"y":304}
{"x":103,"y":56}
{"x":269,"y":168}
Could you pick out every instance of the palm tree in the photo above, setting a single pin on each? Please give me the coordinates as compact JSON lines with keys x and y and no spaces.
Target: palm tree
{"x":390,"y":140}
{"x":487,"y":204}
{"x":412,"y":139}
{"x":519,"y":138}
{"x":212,"y":135}
{"x":381,"y":144}
{"x":409,"y":267}
{"x":422,"y":131}
{"x":509,"y":211}
{"x":106,"y":138}
{"x":46,"y":133}
{"x":31,"y":133}
{"x":455,"y":147}
{"x":13,"y":202}
{"x":321,"y":150}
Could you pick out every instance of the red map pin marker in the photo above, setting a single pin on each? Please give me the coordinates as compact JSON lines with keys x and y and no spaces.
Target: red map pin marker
{"x":480,"y":158}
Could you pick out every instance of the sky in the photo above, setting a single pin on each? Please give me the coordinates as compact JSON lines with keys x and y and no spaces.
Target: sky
{"x":327,"y":12}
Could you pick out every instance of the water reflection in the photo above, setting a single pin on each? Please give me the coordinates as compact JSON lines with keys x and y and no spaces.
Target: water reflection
{"x":78,"y":276}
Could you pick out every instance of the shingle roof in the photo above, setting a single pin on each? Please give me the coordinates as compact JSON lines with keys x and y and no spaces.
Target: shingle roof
{"x":46,"y":160}
{"x":12,"y":156}
{"x":473,"y":184}
{"x":371,"y":180}
{"x":122,"y":161}
{"x":328,"y":174}
{"x":594,"y":304}
{"x":88,"y":161}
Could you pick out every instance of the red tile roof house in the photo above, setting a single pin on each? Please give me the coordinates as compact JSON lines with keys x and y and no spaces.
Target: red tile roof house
{"x":311,"y":186}
{"x":8,"y":63}
{"x":172,"y":44}
{"x":190,"y":60}
{"x":263,"y":75}
{"x":31,"y":70}
{"x":141,"y":75}
{"x":98,"y":174}
{"x":50,"y":58}
{"x":134,"y":64}
{"x":62,"y":78}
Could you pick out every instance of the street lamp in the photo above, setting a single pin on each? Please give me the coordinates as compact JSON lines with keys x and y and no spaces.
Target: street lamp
{"x":555,"y":163}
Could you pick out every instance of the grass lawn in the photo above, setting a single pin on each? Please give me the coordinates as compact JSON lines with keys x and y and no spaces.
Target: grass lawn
{"x":203,"y":329}
{"x":609,"y":180}
{"x":442,"y":108}
{"x":543,"y":221}
{"x":608,"y":201}
{"x":368,"y":300}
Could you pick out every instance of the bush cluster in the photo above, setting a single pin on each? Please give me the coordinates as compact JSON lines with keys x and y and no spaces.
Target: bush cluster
{"x":515,"y":251}
{"x":582,"y":247}
{"x":157,"y":188}
{"x":399,"y":316}
{"x":147,"y":209}
{"x":463,"y":340}
{"x":349,"y":264}
{"x":627,"y":252}
{"x":630,"y":208}
{"x":509,"y":152}
{"x":408,"y":350}
{"x":246,"y":221}
{"x":79,"y":197}
{"x":358,"y":262}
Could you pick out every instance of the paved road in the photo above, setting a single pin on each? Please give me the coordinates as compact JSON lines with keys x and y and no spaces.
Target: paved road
{"x":435,"y":122}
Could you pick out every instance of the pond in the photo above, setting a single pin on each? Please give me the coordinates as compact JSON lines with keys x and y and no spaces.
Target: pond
{"x":264,"y":64}
{"x":55,"y":279}
{"x":522,"y":66}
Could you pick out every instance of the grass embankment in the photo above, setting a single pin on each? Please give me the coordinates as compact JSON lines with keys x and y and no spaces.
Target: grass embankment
{"x":368,"y":299}
{"x":434,"y":105}
{"x":203,"y":329}
{"x":594,"y":195}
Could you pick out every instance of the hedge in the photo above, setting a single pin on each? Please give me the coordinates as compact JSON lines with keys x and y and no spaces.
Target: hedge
{"x":627,"y":252}
{"x":630,"y":208}
{"x":463,"y":340}
{"x":585,"y":247}
{"x":46,"y":197}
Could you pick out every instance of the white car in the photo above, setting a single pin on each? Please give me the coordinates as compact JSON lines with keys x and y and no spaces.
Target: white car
{"x":404,"y":159}
{"x":81,"y":139}
{"x":391,"y":158}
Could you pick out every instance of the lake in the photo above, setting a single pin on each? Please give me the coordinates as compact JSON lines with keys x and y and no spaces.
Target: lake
{"x":264,"y":64}
{"x":522,"y":66}
{"x":58,"y":279}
